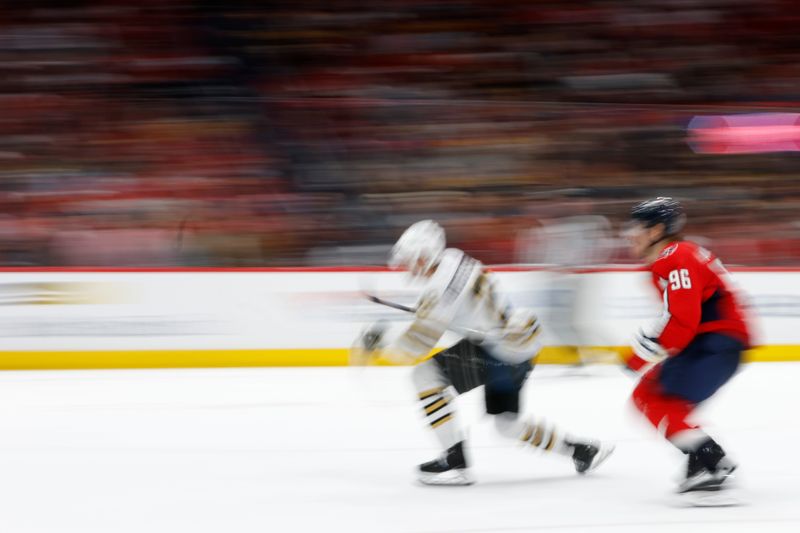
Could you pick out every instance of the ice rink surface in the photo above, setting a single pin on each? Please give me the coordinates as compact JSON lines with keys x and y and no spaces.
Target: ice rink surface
{"x":320,"y":450}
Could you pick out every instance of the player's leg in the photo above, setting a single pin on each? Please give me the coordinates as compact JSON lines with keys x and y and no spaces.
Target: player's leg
{"x":456,"y":368}
{"x":504,"y":384}
{"x":669,"y":393}
{"x":433,"y":392}
{"x":670,"y":414}
{"x":714,"y":360}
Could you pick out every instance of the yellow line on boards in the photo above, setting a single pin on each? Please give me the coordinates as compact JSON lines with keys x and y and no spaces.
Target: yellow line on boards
{"x":40,"y":360}
{"x":273,"y":357}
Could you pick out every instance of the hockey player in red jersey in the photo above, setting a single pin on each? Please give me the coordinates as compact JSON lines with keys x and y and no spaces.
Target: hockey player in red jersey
{"x":693,"y":348}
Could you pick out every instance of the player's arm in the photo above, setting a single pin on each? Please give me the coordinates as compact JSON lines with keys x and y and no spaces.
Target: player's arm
{"x":408,"y":345}
{"x":680,"y":317}
{"x":415,"y":342}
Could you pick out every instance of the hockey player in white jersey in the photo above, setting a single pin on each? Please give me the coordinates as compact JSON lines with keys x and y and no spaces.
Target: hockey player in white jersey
{"x":496,"y":352}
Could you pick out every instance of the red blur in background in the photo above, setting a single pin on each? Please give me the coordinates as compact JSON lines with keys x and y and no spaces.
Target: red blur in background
{"x":178,"y":133}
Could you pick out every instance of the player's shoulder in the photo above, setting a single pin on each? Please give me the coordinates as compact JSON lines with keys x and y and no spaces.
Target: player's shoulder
{"x":675,"y":254}
{"x":449,"y":262}
{"x":455,"y":266}
{"x":452,"y":257}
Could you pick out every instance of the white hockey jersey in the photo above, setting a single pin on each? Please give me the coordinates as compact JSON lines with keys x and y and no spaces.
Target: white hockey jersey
{"x":461,"y":297}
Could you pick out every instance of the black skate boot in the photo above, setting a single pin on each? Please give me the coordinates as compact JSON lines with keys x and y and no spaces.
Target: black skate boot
{"x":589,"y":455}
{"x":708,"y":473}
{"x":449,"y":469}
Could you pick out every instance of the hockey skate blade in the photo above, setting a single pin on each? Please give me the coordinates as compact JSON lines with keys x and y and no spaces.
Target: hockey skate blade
{"x":455,"y":477}
{"x":711,"y":498}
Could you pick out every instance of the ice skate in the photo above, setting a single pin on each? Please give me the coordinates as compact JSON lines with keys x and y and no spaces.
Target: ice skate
{"x":709,"y":489}
{"x":709,"y":478}
{"x":449,"y":469}
{"x":589,"y":455}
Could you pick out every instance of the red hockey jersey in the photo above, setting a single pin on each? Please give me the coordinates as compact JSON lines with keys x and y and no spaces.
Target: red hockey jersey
{"x":698,"y":298}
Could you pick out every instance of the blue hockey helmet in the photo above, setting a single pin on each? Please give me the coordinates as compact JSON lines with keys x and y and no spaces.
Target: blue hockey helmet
{"x":661,"y":210}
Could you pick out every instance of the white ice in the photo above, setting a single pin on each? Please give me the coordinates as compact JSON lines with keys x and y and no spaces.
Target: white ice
{"x":320,"y":450}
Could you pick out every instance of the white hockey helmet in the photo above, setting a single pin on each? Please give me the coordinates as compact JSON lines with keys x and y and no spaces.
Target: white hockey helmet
{"x":419,"y":248}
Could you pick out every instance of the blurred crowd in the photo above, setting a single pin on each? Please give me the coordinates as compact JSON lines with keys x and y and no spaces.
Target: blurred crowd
{"x":169,"y":132}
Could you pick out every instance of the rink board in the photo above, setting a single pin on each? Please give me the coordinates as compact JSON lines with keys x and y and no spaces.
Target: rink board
{"x":162,"y":318}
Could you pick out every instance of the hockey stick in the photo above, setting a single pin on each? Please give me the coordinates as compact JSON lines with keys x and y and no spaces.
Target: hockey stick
{"x":458,"y":329}
{"x":393,"y":305}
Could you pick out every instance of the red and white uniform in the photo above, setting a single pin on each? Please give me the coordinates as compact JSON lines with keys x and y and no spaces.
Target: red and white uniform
{"x":698,"y":298}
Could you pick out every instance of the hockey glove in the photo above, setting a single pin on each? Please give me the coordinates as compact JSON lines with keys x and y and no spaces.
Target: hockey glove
{"x":366,"y":348}
{"x":646,"y":354}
